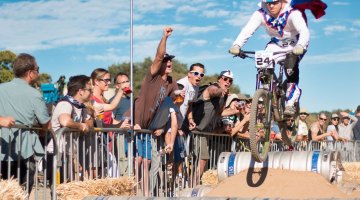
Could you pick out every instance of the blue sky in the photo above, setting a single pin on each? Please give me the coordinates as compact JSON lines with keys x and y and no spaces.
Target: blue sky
{"x":76,"y":36}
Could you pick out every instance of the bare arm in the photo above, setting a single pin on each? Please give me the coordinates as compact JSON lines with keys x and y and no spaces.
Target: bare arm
{"x":115,"y":102}
{"x":315,"y":136}
{"x":66,"y":121}
{"x":212,"y":91}
{"x":155,"y":67}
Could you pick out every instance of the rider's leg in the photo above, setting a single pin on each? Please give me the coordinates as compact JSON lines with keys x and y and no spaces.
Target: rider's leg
{"x":293,"y":91}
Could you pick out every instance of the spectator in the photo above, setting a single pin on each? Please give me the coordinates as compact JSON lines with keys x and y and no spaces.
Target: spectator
{"x":346,"y":127}
{"x":334,"y":128}
{"x":60,"y":85}
{"x":236,"y":121}
{"x":103,"y":112}
{"x":71,"y":112}
{"x":6,"y":122}
{"x":303,"y":130}
{"x":206,"y":109}
{"x":121,"y":82}
{"x":189,"y":86}
{"x":356,"y":129}
{"x":316,"y":132}
{"x":100,"y":79}
{"x":290,"y":127}
{"x":18,"y":99}
{"x":161,"y":124}
{"x":156,"y":86}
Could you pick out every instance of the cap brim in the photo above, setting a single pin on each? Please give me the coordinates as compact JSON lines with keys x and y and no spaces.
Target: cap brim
{"x":169,"y":57}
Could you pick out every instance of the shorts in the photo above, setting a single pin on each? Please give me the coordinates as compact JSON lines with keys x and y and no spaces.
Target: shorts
{"x":179,"y":149}
{"x":203,"y":147}
{"x":143,"y":144}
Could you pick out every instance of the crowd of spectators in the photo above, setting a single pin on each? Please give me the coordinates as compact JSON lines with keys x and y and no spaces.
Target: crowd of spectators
{"x":169,"y":109}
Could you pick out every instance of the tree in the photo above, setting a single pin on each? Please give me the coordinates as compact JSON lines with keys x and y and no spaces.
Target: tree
{"x":6,"y":75}
{"x":6,"y":60}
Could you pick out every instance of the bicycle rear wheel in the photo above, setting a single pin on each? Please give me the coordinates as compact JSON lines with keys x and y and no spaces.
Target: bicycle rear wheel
{"x":260,"y":125}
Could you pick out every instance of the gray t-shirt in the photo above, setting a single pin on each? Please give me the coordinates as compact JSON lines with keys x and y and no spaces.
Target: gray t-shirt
{"x":26,"y":104}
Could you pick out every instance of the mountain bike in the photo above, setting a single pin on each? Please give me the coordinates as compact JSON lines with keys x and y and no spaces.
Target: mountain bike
{"x":268,"y":102}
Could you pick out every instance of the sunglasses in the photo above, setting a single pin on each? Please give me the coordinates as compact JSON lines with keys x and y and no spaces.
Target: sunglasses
{"x":290,"y":120}
{"x":303,"y":114}
{"x":272,"y":3}
{"x":106,"y":80}
{"x":323,"y":119}
{"x":227,"y":79}
{"x":198,"y":73}
{"x":335,"y":119}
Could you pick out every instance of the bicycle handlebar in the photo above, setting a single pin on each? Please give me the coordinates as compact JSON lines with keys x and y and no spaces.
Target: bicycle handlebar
{"x":243,"y":54}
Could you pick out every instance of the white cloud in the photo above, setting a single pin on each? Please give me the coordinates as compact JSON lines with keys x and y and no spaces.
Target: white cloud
{"x":193,"y":30}
{"x":329,"y":30}
{"x":340,"y":3}
{"x":215,"y":13}
{"x":111,"y":55}
{"x":340,"y":57}
{"x":193,"y":42}
{"x":51,"y":24}
{"x":241,"y":17}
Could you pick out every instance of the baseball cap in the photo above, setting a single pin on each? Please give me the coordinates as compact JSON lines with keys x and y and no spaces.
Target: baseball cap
{"x":304,"y":110}
{"x":168,"y":56}
{"x":230,"y":99}
{"x":227,"y":73}
{"x":334,"y":115}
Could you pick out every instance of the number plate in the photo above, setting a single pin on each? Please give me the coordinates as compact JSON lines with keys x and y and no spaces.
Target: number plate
{"x":264,"y":59}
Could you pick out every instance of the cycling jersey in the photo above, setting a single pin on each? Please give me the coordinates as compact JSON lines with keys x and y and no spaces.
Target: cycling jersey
{"x":288,"y":29}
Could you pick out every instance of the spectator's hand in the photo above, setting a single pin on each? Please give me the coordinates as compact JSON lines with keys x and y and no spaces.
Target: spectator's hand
{"x":246,"y":117}
{"x":298,"y":50}
{"x":137,"y":127}
{"x":234,"y":50}
{"x":344,"y":114}
{"x":192,"y":124}
{"x":158,"y":132}
{"x":126,"y":124}
{"x":169,"y":148}
{"x":7,"y":121}
{"x":167,"y":31}
{"x":84,"y":127}
{"x":180,"y":132}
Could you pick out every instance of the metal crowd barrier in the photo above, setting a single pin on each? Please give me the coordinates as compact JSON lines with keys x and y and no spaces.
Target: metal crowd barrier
{"x":112,"y":152}
{"x":34,"y":179}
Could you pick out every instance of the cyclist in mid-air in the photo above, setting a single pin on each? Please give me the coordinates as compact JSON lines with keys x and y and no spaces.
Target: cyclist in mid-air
{"x":285,"y":22}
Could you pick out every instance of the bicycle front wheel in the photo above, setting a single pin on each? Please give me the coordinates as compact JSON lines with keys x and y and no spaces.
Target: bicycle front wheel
{"x":260,"y":125}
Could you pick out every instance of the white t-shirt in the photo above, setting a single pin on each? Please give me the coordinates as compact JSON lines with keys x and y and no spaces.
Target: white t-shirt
{"x":302,"y":128}
{"x":329,"y":129}
{"x":191,"y":93}
{"x":64,"y":107}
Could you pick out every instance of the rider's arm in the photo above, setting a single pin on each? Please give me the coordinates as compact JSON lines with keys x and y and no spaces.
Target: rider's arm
{"x":252,"y":25}
{"x":301,"y":27}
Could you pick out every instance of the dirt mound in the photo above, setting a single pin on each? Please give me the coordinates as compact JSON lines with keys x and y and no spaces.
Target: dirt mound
{"x":276,"y":183}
